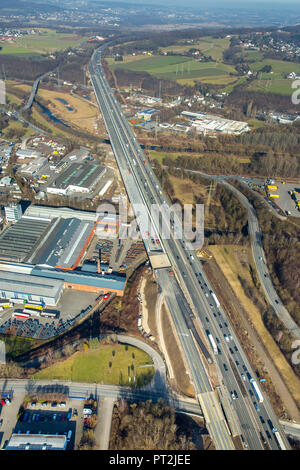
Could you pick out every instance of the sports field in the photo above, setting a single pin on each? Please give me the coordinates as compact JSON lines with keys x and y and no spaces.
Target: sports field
{"x":175,"y":68}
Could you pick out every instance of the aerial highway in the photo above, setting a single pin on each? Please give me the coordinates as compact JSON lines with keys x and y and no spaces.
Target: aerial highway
{"x":190,"y":298}
{"x":258,"y":253}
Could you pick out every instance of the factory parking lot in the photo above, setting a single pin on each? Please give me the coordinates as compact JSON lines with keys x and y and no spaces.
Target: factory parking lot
{"x":52,"y":418}
{"x":285,"y":201}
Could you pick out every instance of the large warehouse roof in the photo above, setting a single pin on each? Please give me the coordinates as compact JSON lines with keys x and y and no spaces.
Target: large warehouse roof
{"x":30,"y":285}
{"x":107,"y":281}
{"x":63,"y":245}
{"x":18,"y":240}
{"x":79,"y":175}
{"x":64,"y":212}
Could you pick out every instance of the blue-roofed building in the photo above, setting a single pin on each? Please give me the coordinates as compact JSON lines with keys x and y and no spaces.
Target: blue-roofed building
{"x":83,"y":280}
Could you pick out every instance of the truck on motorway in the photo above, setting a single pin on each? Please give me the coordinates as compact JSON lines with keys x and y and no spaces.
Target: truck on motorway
{"x":215,"y":299}
{"x":279,"y":439}
{"x":212,"y":342}
{"x":256,"y":390}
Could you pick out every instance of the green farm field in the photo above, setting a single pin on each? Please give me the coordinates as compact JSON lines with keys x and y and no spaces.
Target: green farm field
{"x":279,"y":67}
{"x":175,"y":68}
{"x":280,"y":86}
{"x":208,"y":45}
{"x":34,"y":45}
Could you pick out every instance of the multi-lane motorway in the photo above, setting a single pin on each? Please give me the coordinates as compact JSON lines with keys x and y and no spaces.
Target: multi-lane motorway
{"x":190,"y":297}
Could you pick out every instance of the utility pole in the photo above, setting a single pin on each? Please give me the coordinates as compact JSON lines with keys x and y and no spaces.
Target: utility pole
{"x":156,"y":126}
{"x":211,"y":188}
{"x":58,"y":79}
{"x":84,"y":76}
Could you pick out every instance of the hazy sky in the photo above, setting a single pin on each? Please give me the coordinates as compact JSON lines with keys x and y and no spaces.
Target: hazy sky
{"x":224,"y":3}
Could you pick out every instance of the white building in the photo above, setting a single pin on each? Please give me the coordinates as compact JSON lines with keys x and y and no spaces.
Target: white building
{"x":13,"y":212}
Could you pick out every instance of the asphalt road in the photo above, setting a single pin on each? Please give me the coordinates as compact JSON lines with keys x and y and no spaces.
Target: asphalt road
{"x":138,"y":177}
{"x":261,"y":265}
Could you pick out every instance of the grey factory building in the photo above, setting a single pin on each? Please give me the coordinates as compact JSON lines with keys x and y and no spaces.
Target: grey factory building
{"x":18,"y":240}
{"x":64,"y":244}
{"x":18,"y":285}
{"x":36,"y":442}
{"x":78,"y":177}
{"x":48,"y":212}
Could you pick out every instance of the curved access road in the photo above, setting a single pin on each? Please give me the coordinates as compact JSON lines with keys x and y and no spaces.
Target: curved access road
{"x":260,"y":263}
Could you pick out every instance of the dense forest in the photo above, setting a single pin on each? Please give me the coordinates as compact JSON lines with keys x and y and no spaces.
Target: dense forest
{"x":146,"y":426}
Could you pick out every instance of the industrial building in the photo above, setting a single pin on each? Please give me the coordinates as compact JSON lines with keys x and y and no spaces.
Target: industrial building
{"x":107,"y":223}
{"x":209,"y":124}
{"x":19,"y":285}
{"x":37,"y":442}
{"x":64,"y":244}
{"x":30,"y":153}
{"x":78,"y":177}
{"x":41,"y":254}
{"x":26,"y":281}
{"x":13,"y":212}
{"x":146,"y":114}
{"x":33,"y":167}
{"x":18,"y":240}
{"x":86,"y":281}
{"x":48,"y":212}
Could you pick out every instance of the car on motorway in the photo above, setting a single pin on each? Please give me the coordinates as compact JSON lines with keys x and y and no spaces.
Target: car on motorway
{"x":262,"y":420}
{"x":256,"y":406}
{"x":276,"y":301}
{"x":243,"y":376}
{"x":226,"y":338}
{"x":236,"y":349}
{"x":231,"y":350}
{"x":225,"y":367}
{"x":220,"y":325}
{"x":233,"y":395}
{"x":268,"y":434}
{"x":206,"y":319}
